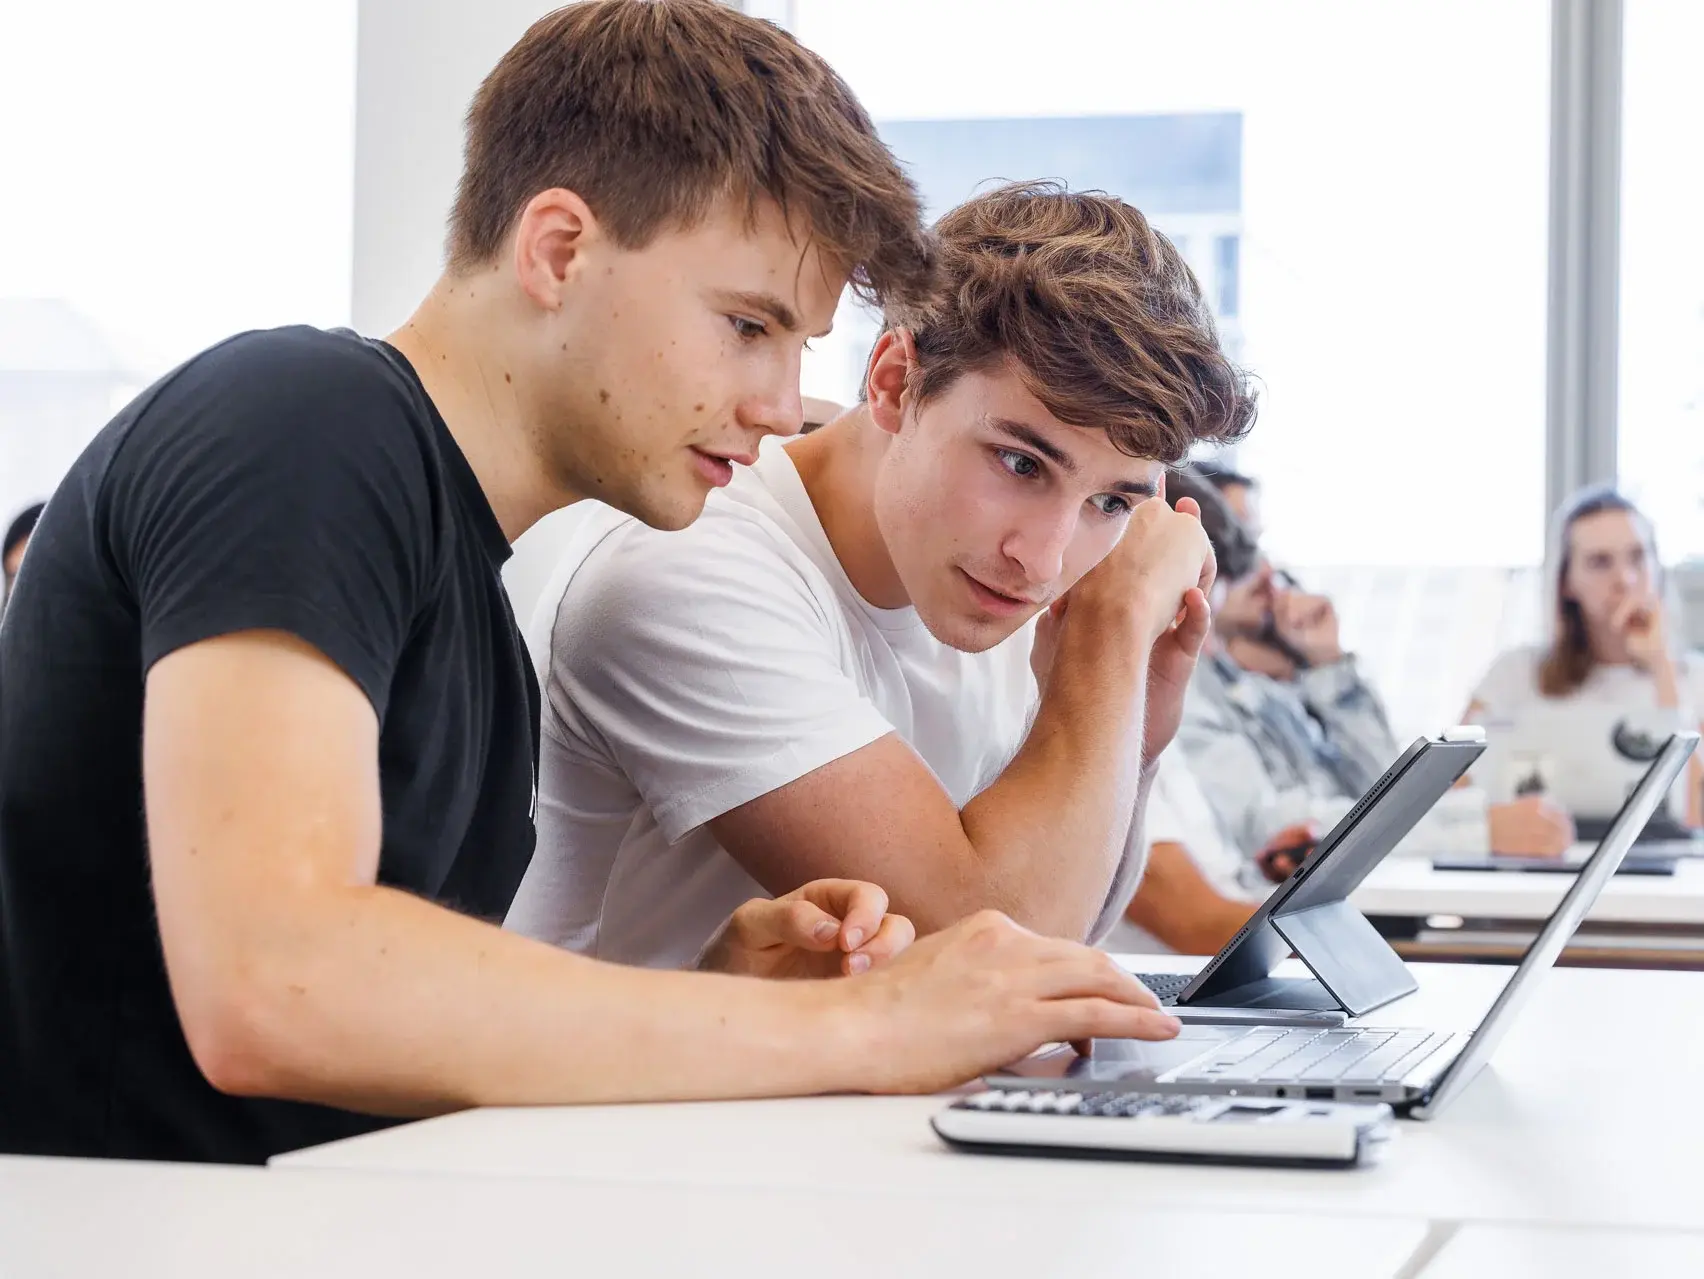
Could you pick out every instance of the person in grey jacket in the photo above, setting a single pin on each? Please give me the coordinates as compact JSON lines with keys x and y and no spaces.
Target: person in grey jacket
{"x":1272,"y":752}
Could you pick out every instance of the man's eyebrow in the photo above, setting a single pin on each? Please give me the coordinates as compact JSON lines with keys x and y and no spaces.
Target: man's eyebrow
{"x":1135,"y":488}
{"x":1032,"y":438}
{"x":770,"y":305}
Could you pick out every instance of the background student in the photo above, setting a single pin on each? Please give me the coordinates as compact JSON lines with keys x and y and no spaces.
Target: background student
{"x":1612,"y":648}
{"x":1272,"y":754}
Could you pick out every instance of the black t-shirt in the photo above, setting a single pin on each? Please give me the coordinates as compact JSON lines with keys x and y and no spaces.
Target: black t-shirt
{"x":293,"y":480}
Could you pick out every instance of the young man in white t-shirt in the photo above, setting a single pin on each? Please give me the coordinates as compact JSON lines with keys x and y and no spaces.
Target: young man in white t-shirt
{"x":833,"y":672}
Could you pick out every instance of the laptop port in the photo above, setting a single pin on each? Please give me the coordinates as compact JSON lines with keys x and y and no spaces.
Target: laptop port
{"x":1319,"y":1094}
{"x":1367,"y":1092}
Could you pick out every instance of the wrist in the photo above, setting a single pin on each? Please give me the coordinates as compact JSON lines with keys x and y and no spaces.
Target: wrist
{"x":845,"y":1034}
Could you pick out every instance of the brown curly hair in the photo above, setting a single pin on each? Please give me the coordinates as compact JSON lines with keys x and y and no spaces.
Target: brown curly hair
{"x":1097,"y":311}
{"x":654,"y":111}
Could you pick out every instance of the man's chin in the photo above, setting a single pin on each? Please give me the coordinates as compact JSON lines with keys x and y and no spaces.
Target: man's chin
{"x":970,"y":634}
{"x":668,"y":513}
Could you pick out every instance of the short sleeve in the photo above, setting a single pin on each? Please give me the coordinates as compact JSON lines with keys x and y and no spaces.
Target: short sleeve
{"x":704,"y":667}
{"x":1511,"y":682}
{"x":278,"y":482}
{"x":1162,"y":820}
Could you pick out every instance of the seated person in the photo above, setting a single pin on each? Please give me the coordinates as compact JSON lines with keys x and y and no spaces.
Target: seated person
{"x":1241,"y":493}
{"x":834,"y":671}
{"x":1611,"y":648}
{"x":1197,"y":890}
{"x":1272,"y":753}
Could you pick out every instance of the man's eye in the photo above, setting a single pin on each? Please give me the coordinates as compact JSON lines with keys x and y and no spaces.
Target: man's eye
{"x":1112,"y":504}
{"x":1020,"y":464}
{"x":747,"y":329}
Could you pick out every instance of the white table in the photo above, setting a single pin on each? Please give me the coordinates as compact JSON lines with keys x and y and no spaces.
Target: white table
{"x":1646,"y":919}
{"x":1512,"y":1252}
{"x":1552,"y":1134}
{"x":63,"y":1217}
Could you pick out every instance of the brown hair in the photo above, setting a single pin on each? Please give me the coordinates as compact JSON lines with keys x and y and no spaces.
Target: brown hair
{"x":1103,"y":319}
{"x":654,"y":111}
{"x":1567,"y":663}
{"x":1235,"y":552}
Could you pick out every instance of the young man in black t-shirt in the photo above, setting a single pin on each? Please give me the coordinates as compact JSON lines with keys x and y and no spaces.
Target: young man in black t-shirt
{"x":268,"y":731}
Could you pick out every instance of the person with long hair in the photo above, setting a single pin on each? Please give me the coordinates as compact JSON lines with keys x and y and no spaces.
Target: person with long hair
{"x":1612,"y":643}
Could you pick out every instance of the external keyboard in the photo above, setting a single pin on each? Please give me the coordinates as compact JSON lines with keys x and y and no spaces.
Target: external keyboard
{"x":1144,"y":1125}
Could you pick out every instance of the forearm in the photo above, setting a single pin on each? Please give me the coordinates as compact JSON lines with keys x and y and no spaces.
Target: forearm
{"x":1046,"y":838}
{"x":374,"y":1000}
{"x":1177,"y":905}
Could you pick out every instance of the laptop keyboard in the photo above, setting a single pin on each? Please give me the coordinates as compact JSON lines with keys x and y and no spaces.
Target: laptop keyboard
{"x":1166,"y":986}
{"x":1309,"y":1056}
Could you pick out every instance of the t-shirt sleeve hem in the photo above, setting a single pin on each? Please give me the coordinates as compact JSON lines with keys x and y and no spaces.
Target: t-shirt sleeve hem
{"x":293,"y":616}
{"x":683,"y":814}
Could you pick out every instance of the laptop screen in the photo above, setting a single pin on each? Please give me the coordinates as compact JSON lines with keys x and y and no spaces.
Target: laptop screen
{"x":1545,"y":948}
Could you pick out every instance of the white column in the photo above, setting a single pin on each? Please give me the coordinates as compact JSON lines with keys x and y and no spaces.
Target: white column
{"x":418,"y":63}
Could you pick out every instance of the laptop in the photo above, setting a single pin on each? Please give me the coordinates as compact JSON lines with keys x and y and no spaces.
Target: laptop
{"x":1416,"y":1072}
{"x":1354,"y":969}
{"x":1586,"y":758}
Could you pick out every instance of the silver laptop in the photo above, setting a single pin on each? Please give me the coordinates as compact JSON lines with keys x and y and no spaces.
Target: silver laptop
{"x":1416,"y":1071}
{"x":1586,"y":758}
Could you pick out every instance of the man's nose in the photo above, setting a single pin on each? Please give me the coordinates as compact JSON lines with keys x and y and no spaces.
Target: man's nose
{"x":776,"y":407}
{"x":1039,"y":546}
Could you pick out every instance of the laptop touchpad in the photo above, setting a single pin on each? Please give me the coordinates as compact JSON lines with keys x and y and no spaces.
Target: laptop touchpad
{"x":1131,"y":1061}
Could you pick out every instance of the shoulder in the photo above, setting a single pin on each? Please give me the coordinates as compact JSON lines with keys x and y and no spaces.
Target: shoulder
{"x":730,"y":579}
{"x":300,"y":410}
{"x":296,"y":393}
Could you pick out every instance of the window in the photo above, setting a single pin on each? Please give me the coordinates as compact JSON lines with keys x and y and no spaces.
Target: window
{"x":1225,"y":276}
{"x":1661,"y":419}
{"x":175,"y":172}
{"x":1361,"y":189}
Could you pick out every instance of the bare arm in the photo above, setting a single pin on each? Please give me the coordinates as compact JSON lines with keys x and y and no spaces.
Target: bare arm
{"x":1176,"y":904}
{"x":1041,"y":843}
{"x":295,"y":976}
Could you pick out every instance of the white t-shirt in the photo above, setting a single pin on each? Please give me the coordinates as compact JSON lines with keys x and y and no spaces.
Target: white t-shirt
{"x":691,"y":672}
{"x":1511,"y":686}
{"x":1178,"y":812}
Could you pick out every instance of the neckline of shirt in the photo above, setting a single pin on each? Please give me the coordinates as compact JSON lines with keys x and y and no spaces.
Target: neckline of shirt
{"x":775,"y":471}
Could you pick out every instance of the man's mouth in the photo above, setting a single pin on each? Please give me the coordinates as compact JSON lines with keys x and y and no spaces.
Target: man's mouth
{"x":718,"y":468}
{"x":1000,"y":603}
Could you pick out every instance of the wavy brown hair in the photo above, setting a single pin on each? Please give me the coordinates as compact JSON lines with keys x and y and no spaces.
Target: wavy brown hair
{"x":1568,"y":661}
{"x":656,"y":111}
{"x":1096,"y":310}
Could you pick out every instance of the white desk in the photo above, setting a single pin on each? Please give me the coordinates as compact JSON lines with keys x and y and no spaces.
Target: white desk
{"x":61,"y":1217}
{"x":1552,"y":1133}
{"x":1652,"y":919}
{"x":1507,"y":1252}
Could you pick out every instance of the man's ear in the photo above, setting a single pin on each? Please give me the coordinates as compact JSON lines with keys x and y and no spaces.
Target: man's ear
{"x":552,"y":237}
{"x":888,"y":382}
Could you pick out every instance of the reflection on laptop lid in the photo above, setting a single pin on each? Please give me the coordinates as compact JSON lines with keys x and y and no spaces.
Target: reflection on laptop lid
{"x":1581,"y":894}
